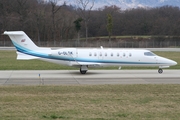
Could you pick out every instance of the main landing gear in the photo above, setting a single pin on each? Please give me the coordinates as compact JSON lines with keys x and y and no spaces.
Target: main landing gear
{"x":160,"y":71}
{"x":83,"y":69}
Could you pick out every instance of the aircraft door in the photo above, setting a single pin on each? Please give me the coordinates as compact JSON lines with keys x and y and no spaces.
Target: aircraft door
{"x":156,"y":59}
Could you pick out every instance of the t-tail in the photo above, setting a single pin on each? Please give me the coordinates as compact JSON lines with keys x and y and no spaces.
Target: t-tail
{"x":26,"y":49}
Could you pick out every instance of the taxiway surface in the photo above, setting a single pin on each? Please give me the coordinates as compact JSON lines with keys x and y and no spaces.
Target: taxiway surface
{"x":93,"y":77}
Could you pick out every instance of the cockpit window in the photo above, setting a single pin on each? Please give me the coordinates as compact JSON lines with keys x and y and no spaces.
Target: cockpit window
{"x":149,"y":54}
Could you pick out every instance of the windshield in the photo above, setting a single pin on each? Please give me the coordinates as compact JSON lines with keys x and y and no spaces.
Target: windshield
{"x":149,"y":54}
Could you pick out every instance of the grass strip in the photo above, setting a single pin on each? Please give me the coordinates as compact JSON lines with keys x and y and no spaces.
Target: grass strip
{"x":102,"y":102}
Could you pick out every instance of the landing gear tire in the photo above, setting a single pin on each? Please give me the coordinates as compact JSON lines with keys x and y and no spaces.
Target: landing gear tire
{"x":160,"y":71}
{"x":83,"y":69}
{"x":83,"y":72}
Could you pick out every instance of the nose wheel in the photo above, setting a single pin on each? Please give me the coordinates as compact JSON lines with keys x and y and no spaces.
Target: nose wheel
{"x":160,"y":71}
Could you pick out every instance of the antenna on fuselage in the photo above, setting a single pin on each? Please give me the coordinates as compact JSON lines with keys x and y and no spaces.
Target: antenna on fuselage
{"x":101,"y":47}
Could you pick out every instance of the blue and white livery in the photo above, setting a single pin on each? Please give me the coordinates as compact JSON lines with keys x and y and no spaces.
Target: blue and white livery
{"x":86,"y":57}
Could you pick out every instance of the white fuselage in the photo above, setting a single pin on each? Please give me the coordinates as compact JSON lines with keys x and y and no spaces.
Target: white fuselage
{"x":108,"y":57}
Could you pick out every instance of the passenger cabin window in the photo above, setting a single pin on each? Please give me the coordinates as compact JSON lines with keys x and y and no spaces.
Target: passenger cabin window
{"x":124,"y":54}
{"x":95,"y":54}
{"x":100,"y":54}
{"x":149,"y":54}
{"x":118,"y":54}
{"x":130,"y":54}
{"x":105,"y":54}
{"x":90,"y":54}
{"x":111,"y":54}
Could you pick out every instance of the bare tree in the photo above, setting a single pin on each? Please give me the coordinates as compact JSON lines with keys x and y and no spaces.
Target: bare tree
{"x":84,"y":10}
{"x":54,"y":9}
{"x":4,"y":20}
{"x":21,"y":7}
{"x":38,"y":20}
{"x":64,"y":24}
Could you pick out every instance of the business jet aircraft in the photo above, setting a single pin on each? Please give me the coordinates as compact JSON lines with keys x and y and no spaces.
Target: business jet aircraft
{"x":86,"y":57}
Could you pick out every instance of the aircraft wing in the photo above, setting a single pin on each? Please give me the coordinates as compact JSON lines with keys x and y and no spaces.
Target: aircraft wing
{"x":85,"y":64}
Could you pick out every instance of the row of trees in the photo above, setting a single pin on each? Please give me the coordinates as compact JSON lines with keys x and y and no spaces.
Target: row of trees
{"x":155,"y":21}
{"x":49,"y":21}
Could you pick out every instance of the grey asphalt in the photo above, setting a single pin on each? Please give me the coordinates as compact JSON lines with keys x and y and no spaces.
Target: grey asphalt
{"x":93,"y":77}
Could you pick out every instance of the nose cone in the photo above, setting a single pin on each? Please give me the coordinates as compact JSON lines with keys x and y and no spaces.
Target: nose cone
{"x":174,"y":62}
{"x":171,"y":62}
{"x":167,"y":62}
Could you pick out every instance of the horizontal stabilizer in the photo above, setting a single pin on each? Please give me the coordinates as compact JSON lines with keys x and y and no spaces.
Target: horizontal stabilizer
{"x":21,"y":56}
{"x":13,"y":33}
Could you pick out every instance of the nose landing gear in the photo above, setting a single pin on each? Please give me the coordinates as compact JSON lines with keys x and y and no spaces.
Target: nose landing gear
{"x":160,"y":71}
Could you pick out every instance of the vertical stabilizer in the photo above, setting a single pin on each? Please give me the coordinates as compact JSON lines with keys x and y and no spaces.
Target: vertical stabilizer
{"x":21,"y":40}
{"x":26,"y":49}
